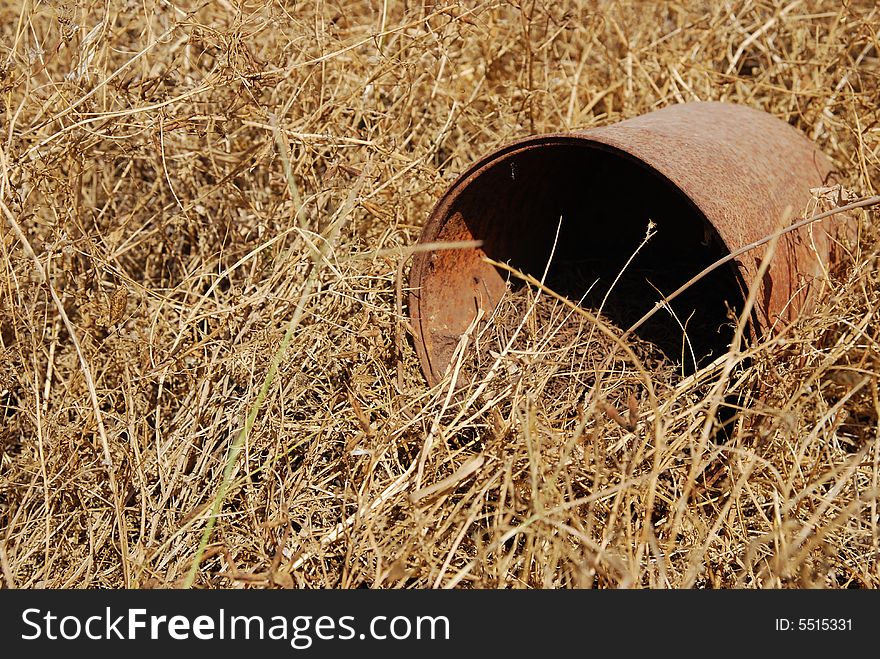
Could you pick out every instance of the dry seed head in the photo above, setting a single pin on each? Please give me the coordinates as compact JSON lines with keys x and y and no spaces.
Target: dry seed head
{"x":117,"y":305}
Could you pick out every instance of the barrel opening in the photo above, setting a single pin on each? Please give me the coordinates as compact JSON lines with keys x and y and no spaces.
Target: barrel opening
{"x":591,"y":208}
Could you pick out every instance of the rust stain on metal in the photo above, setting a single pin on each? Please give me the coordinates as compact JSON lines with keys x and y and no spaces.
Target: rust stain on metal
{"x":738,"y":171}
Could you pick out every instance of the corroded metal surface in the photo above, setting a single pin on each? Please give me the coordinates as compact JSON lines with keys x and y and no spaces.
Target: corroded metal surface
{"x":743,"y":171}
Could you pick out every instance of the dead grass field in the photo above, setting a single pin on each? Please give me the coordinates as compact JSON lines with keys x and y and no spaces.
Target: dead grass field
{"x":203,"y":255}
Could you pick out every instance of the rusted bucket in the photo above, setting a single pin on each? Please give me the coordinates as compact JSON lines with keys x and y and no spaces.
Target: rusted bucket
{"x":713,"y":177}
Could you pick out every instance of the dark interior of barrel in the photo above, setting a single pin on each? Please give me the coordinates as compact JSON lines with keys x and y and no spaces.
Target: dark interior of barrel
{"x":591,"y":209}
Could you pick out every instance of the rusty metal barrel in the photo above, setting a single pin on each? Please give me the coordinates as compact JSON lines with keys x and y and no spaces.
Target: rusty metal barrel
{"x":707,"y":178}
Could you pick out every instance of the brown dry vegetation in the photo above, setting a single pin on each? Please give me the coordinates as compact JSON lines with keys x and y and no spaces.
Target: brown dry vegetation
{"x":145,"y":192}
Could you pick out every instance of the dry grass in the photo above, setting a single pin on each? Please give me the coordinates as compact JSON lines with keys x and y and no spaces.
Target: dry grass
{"x":155,"y":248}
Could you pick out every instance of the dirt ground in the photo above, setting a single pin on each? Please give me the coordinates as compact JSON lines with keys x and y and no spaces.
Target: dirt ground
{"x":207,"y":373}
